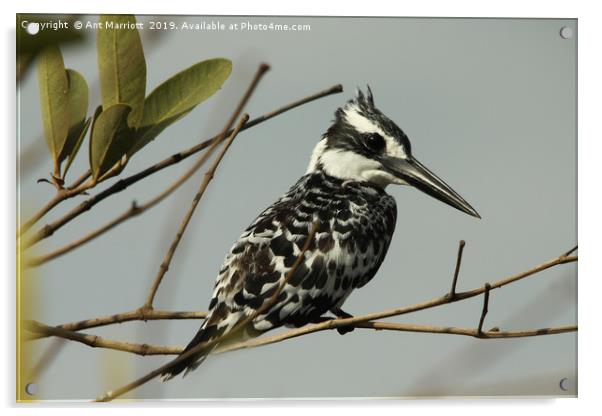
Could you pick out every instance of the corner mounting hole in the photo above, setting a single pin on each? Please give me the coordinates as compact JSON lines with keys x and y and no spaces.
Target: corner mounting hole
{"x":32,"y":28}
{"x":566,"y":32}
{"x":31,"y":388}
{"x":565,"y":384}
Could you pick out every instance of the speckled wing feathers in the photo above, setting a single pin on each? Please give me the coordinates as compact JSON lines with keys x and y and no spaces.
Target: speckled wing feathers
{"x":356,"y":223}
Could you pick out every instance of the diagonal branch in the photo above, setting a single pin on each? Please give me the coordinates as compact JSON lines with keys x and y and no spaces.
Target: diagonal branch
{"x":60,"y":196}
{"x":50,"y":228}
{"x":571,"y":251}
{"x":203,"y":345}
{"x":195,"y":202}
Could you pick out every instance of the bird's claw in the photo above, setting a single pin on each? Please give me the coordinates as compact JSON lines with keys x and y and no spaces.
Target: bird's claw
{"x":345,"y":329}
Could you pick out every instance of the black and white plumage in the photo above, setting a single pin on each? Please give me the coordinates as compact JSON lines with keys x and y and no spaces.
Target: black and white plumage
{"x":343,"y":192}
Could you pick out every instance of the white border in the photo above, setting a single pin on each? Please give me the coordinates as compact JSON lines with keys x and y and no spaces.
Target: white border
{"x":589,"y":208}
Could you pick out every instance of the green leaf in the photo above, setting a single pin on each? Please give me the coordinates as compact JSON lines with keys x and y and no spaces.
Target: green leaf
{"x":95,"y":116}
{"x":78,"y":142}
{"x":179,"y":95}
{"x":121,"y":64}
{"x":78,"y":109}
{"x":146,"y":134}
{"x":110,"y":139}
{"x":54,"y":99}
{"x":78,"y":97}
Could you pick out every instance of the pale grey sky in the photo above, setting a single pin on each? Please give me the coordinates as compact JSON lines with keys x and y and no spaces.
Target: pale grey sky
{"x":489,"y":105}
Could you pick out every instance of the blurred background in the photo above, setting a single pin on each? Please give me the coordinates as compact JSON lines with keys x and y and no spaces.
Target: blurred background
{"x":489,"y":105}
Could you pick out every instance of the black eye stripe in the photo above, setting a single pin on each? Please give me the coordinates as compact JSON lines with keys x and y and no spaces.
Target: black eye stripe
{"x":374,"y":142}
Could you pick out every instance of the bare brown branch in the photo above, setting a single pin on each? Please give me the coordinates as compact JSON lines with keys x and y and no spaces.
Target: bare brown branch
{"x":99,"y":342}
{"x":485,"y":308}
{"x":195,"y":202}
{"x":60,"y":196}
{"x":80,"y":180}
{"x":50,"y":228}
{"x":389,"y":326}
{"x":40,"y":330}
{"x":46,"y":359}
{"x":452,"y":292}
{"x":571,"y":251}
{"x":139,"y":314}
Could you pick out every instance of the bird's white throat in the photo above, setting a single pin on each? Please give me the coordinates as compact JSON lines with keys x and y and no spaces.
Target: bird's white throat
{"x":348,"y":165}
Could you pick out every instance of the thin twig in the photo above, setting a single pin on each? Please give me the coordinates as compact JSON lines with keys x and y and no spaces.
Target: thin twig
{"x":46,"y":359}
{"x":139,"y":314}
{"x":80,"y":180}
{"x":571,"y":251}
{"x":485,"y":308}
{"x":195,"y":202}
{"x":60,"y":196}
{"x":50,"y":228}
{"x":452,"y":292}
{"x":388,"y":326}
{"x":99,"y":342}
{"x":110,"y":395}
{"x":39,"y":260}
{"x":136,"y":209}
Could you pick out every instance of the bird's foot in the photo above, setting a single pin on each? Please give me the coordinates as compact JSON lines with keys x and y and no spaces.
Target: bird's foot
{"x":342,"y":314}
{"x":345,"y":329}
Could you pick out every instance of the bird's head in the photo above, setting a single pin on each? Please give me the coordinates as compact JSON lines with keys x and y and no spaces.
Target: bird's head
{"x":365,"y":145}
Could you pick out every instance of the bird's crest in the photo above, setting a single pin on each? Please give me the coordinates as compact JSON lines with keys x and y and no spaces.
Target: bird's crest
{"x":363,"y":100}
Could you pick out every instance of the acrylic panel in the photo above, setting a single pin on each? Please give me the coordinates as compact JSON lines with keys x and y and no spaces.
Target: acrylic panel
{"x":489,"y":105}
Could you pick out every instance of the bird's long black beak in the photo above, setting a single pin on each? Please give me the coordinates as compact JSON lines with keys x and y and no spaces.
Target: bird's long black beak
{"x":416,"y":174}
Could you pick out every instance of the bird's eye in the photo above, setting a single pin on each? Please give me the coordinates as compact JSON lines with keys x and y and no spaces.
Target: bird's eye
{"x":374,"y":142}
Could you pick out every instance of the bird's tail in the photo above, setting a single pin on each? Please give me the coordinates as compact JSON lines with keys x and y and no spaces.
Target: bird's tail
{"x":216,"y":325}
{"x":205,"y":334}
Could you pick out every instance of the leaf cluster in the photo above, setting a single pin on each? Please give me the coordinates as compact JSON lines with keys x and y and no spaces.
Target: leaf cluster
{"x":128,"y":119}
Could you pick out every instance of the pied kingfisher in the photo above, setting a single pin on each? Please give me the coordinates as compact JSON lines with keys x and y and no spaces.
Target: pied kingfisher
{"x":343,"y":192}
